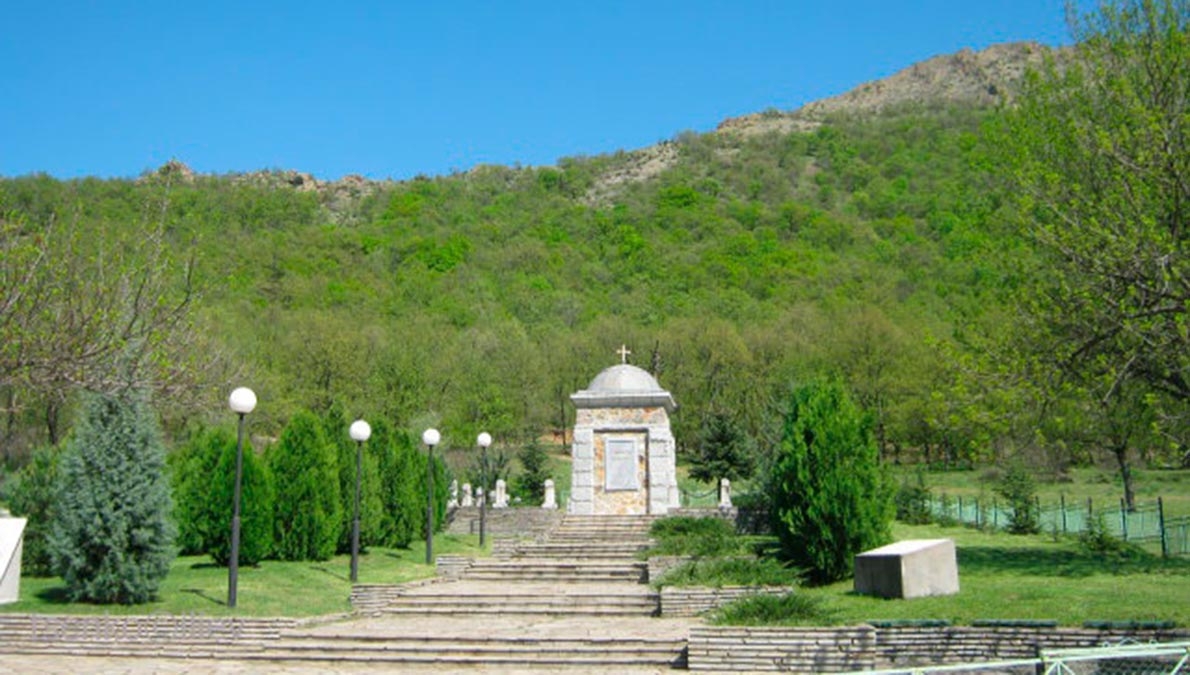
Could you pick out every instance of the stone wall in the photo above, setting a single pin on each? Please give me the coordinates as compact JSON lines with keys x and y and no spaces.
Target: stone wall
{"x":823,"y":650}
{"x":798,"y":650}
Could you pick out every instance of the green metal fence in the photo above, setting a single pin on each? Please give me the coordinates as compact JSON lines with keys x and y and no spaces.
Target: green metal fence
{"x":1171,"y":658}
{"x":1146,"y":524}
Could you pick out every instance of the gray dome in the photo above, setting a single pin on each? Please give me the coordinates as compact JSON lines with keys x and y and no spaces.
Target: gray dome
{"x":623,"y":386}
{"x":623,"y":378}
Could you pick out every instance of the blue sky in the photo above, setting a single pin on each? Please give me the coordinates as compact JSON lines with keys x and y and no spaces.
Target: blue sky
{"x":395,"y":89}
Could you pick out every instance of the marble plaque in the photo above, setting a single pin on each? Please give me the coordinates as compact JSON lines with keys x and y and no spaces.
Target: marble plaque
{"x":621,"y":464}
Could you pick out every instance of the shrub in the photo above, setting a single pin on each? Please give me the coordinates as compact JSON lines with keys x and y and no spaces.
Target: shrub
{"x":306,"y":517}
{"x":830,"y":497}
{"x":913,"y":502}
{"x":719,"y":572}
{"x":1018,"y":489}
{"x":790,"y":609}
{"x":112,"y":539}
{"x":31,"y":496}
{"x":685,"y":535}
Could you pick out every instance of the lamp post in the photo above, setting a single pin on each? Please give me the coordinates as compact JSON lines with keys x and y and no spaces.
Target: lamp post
{"x":242,"y":402}
{"x":484,"y":440}
{"x":360,"y":431}
{"x":430,"y":437}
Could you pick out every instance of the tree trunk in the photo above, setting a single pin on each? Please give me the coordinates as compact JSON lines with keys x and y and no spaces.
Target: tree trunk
{"x":1121,"y":453}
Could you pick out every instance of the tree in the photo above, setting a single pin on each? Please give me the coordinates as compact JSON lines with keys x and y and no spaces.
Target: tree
{"x":535,"y":471}
{"x":1097,"y":156}
{"x":306,"y":518}
{"x":829,"y":494}
{"x":403,"y":503}
{"x":335,"y":427}
{"x":31,"y":496}
{"x":722,"y":450}
{"x":204,"y":489}
{"x":112,"y":539}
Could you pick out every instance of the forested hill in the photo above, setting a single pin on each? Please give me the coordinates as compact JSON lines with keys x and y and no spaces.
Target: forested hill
{"x":859,"y":240}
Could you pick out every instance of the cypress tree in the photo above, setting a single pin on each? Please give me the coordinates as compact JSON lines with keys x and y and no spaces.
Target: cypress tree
{"x":256,"y":506}
{"x":112,"y":539}
{"x":335,"y":428}
{"x":306,"y":516}
{"x":830,"y":497}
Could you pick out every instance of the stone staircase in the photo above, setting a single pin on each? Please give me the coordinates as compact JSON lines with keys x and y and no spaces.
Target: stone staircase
{"x":575,"y":599}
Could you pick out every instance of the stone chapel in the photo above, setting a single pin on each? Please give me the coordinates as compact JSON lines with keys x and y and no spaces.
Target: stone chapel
{"x":623,"y":452}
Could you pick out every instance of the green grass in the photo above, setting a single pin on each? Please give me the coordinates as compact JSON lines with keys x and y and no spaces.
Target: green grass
{"x":1004,"y":576}
{"x":195,"y":586}
{"x":1102,"y":485}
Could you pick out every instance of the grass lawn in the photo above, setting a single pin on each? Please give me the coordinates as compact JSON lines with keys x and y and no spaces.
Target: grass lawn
{"x":1102,"y":485}
{"x":195,"y":586}
{"x":1004,"y":576}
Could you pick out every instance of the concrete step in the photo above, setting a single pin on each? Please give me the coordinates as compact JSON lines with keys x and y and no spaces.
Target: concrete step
{"x":525,"y":652}
{"x":585,"y":605}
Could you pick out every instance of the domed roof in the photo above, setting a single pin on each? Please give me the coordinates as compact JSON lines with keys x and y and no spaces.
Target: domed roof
{"x":623,"y":378}
{"x":623,"y":386}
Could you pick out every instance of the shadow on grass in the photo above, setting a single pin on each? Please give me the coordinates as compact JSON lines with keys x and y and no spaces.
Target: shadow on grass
{"x":54,"y":595}
{"x":203,"y":594}
{"x":327,"y":570}
{"x":1066,"y":563}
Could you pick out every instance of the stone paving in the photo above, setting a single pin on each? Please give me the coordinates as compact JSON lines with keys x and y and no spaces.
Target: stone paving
{"x":409,"y":627}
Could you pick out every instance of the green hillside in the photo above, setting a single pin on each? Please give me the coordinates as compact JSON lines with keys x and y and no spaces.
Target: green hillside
{"x":486,"y":298}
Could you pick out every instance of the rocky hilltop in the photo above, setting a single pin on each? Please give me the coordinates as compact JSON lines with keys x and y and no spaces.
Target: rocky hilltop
{"x":979,"y":78}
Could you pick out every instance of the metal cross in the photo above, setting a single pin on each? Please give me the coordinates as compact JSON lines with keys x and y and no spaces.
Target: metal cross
{"x":623,"y":351}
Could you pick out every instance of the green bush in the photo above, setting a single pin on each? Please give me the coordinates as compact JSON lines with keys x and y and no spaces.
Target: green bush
{"x":829,"y":494}
{"x":790,"y":609}
{"x":719,"y":572}
{"x":1019,"y":490}
{"x":913,"y":502}
{"x":686,"y":535}
{"x":112,"y":539}
{"x":31,"y":496}
{"x":306,"y":518}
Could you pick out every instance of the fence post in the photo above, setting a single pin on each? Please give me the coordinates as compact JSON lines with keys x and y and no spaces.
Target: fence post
{"x":995,"y":515}
{"x":1123,"y":520}
{"x":1062,"y":501}
{"x":961,"y":520}
{"x":1161,"y":526}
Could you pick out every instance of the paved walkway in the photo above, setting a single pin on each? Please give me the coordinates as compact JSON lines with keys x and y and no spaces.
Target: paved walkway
{"x":89,"y":665}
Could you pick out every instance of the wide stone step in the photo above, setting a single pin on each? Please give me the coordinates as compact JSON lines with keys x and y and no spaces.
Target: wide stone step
{"x":528,"y":652}
{"x":620,"y":605}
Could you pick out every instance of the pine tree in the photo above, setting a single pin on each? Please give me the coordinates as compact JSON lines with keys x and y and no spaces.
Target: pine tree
{"x":31,"y":496}
{"x":112,"y":538}
{"x":722,"y":450}
{"x":306,"y":517}
{"x":403,"y":502}
{"x":829,"y":495}
{"x":535,"y":471}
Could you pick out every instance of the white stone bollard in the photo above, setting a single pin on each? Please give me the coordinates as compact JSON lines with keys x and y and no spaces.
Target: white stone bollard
{"x":724,"y":493}
{"x":551,"y":498}
{"x":467,"y":500}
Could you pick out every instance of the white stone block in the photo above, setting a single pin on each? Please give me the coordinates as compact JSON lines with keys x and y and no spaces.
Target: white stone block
{"x":912,"y":568}
{"x":12,"y":536}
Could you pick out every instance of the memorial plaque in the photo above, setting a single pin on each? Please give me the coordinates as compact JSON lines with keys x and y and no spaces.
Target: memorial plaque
{"x":621,"y":464}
